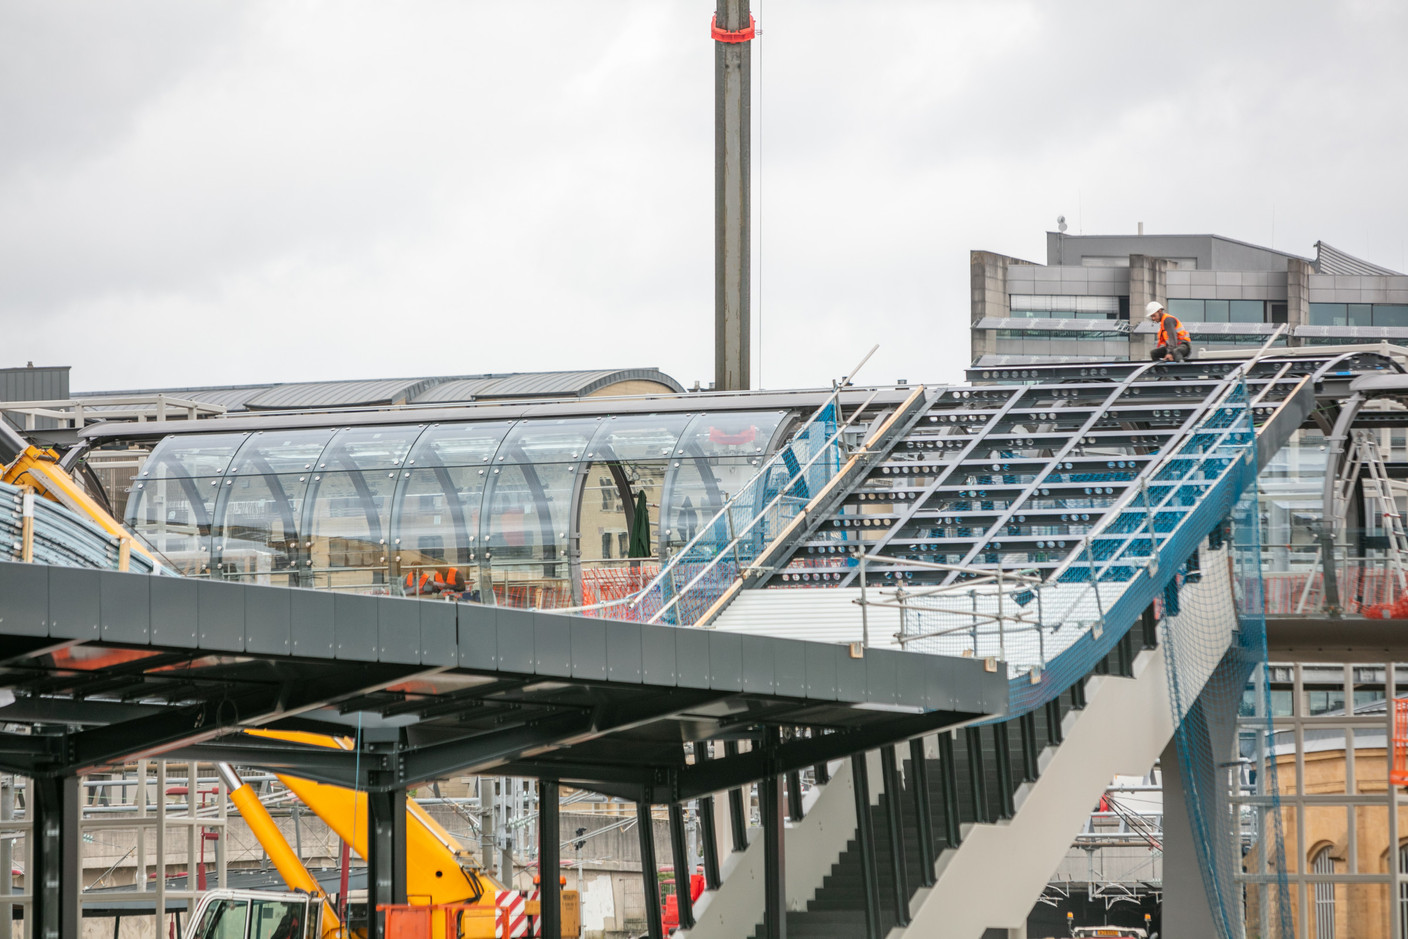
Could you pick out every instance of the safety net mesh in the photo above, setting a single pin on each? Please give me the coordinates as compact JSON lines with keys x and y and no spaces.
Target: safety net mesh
{"x":1213,"y":632}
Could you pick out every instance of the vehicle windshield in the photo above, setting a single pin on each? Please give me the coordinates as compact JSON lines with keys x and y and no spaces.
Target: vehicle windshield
{"x":223,"y":919}
{"x":278,"y":919}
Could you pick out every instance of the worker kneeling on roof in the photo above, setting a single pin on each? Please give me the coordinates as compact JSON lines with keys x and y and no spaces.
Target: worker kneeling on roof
{"x":1171,"y":344}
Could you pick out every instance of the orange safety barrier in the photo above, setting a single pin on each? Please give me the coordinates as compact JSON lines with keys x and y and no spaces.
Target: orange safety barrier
{"x":1398,"y":768}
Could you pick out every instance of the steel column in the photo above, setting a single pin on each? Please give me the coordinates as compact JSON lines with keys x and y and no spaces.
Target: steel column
{"x":679,"y":848}
{"x":709,"y":843}
{"x":56,"y":876}
{"x":386,"y":855}
{"x":732,"y":243}
{"x":977,"y":784}
{"x":736,"y":815}
{"x":774,"y":877}
{"x":1002,"y":751}
{"x":953,"y":832}
{"x":650,"y":878}
{"x":923,"y":818}
{"x":549,"y":860}
{"x":899,"y":878}
{"x":794,"y":796}
{"x":865,"y":841}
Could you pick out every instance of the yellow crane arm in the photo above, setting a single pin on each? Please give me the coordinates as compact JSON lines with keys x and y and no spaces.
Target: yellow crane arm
{"x":40,"y":469}
{"x":433,"y":855}
{"x":286,"y":860}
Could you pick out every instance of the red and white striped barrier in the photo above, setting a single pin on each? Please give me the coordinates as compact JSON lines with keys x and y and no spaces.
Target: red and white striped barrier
{"x":535,"y":896}
{"x":513,"y":909}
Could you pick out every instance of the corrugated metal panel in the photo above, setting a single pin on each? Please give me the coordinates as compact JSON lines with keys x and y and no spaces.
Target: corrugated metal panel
{"x":48,"y":383}
{"x":820,"y":614}
{"x":460,"y":389}
{"x":1331,"y":260}
{"x":542,"y":384}
{"x":340,"y":394}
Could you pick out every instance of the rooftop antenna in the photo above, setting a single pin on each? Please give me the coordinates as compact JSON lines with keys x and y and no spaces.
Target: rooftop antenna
{"x":1061,"y":224}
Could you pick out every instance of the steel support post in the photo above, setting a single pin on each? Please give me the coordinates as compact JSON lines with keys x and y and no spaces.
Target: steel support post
{"x":679,"y":848}
{"x":1027,"y":723}
{"x":1149,"y":624}
{"x":732,"y":245}
{"x":976,"y":781}
{"x":899,"y":879}
{"x":823,"y":774}
{"x":774,"y":860}
{"x":386,"y":855}
{"x":794,"y":796}
{"x":919,"y":792}
{"x":549,"y":860}
{"x":1002,"y":751}
{"x":55,"y":874}
{"x":650,"y":878}
{"x":709,"y":843}
{"x":953,"y":833}
{"x":737,"y":816}
{"x":865,"y":840}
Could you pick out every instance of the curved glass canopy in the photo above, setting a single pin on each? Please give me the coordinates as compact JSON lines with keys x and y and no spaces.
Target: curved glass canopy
{"x":533,"y":512}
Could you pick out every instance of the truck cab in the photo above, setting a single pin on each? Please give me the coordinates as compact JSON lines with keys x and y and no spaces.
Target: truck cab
{"x":256,"y":914}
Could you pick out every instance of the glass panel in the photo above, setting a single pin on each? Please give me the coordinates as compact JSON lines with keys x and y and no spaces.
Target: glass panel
{"x":1215,"y":311}
{"x":172,"y":512}
{"x":257,"y":540}
{"x":1391,"y":314}
{"x":731,"y":435}
{"x":1360,"y":314}
{"x":1188,"y":311}
{"x":636,"y":450}
{"x":350,"y":513}
{"x":277,"y":919}
{"x":261,"y":505}
{"x":638,"y":436}
{"x":1328,"y":314}
{"x":1248,"y":311}
{"x":368,"y":448}
{"x":437,"y":527}
{"x":195,"y":454}
{"x":223,"y":919}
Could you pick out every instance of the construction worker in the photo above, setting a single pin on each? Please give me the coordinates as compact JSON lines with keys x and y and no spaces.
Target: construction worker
{"x":1171,"y":342}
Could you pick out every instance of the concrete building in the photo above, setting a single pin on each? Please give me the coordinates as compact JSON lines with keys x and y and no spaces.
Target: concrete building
{"x":1228,"y":293}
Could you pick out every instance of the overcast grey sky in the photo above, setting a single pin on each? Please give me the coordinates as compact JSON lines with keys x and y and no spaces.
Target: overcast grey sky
{"x":212,"y":193}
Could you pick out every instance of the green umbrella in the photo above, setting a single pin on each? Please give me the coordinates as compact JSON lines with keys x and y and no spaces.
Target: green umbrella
{"x":640,"y":529}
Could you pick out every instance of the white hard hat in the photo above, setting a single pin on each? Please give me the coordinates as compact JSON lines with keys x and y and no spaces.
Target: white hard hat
{"x":1152,"y":309}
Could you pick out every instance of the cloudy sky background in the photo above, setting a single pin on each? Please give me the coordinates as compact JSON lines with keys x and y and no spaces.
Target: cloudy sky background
{"x":213,"y":193}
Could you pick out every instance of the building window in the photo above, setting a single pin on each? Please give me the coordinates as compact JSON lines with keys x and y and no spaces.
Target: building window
{"x":1219,"y":311}
{"x":1091,"y":335}
{"x":1359,"y":314}
{"x":1055,"y":307}
{"x":1322,"y":863}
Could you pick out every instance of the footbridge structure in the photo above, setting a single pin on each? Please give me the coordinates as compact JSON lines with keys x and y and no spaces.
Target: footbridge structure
{"x":956,"y":611}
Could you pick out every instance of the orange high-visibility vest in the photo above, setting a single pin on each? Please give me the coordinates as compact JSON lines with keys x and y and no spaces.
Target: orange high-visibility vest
{"x":1180,"y":332}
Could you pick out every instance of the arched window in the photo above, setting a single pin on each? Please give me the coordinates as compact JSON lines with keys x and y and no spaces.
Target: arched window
{"x":1322,"y":863}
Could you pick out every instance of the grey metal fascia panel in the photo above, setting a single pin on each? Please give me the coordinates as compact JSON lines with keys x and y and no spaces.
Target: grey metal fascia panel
{"x":125,"y":607}
{"x":821,"y":671}
{"x":789,"y":667}
{"x":658,"y":655}
{"x":725,"y":661}
{"x":552,"y":644}
{"x":623,"y":651}
{"x":438,"y":634}
{"x":852,"y":677}
{"x":398,"y":630}
{"x":24,"y":588}
{"x":220,"y":615}
{"x":759,"y":664}
{"x":175,"y":616}
{"x":312,"y":616}
{"x":882,"y":675}
{"x":692,"y":665}
{"x":514,"y":629}
{"x":355,"y":634}
{"x":478,"y":631}
{"x":268,"y":620}
{"x":74,"y":611}
{"x":589,"y":654}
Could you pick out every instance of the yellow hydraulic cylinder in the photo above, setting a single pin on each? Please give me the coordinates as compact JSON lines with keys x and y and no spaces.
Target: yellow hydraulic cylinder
{"x":286,"y":860}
